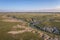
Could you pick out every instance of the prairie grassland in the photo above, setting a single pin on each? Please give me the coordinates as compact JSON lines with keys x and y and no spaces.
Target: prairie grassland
{"x":46,"y":19}
{"x":7,"y":26}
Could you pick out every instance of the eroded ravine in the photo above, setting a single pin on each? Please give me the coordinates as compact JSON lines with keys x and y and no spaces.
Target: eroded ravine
{"x":31,"y":28}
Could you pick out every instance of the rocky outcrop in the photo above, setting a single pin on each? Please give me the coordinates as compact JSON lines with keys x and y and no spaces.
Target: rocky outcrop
{"x":51,"y":30}
{"x":54,"y":30}
{"x":45,"y":36}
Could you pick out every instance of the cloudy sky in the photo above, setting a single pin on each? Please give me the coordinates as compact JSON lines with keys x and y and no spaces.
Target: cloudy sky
{"x":29,"y":5}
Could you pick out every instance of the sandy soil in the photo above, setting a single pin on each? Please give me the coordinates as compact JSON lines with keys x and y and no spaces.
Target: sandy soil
{"x":27,"y":29}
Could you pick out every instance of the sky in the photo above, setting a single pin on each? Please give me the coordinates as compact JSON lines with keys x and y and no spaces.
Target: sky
{"x":29,"y":5}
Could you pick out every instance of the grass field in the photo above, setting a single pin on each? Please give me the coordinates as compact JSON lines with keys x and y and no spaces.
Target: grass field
{"x":46,"y":20}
